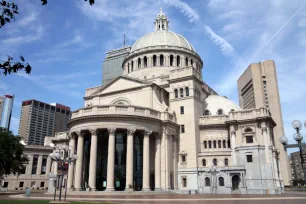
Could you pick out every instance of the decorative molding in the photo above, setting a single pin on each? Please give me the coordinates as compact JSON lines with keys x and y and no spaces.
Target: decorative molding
{"x":94,"y":131}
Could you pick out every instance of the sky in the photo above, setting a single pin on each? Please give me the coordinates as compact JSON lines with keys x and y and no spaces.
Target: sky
{"x":65,"y":42}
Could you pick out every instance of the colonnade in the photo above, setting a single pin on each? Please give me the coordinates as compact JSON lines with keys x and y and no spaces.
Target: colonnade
{"x":77,"y":178}
{"x":157,"y":60}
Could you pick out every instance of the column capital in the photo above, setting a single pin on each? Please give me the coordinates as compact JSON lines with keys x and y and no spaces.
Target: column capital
{"x":233,"y":132}
{"x":264,"y":129}
{"x":147,"y":132}
{"x":71,"y":135}
{"x":94,"y":131}
{"x":131,"y":131}
{"x":80,"y":133}
{"x":111,"y":131}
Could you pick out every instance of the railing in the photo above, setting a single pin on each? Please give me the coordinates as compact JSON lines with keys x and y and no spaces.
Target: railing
{"x":122,"y":110}
{"x":235,"y":115}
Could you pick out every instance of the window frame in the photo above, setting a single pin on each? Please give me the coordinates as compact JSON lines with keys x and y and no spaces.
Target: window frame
{"x":249,"y":158}
{"x":182,"y":128}
{"x":182,"y":110}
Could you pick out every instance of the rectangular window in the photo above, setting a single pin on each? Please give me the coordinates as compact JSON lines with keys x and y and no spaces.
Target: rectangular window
{"x":182,"y":128}
{"x":21,"y":184}
{"x":44,"y":165}
{"x":184,"y":182}
{"x":249,"y":139}
{"x":249,"y":158}
{"x":182,"y":110}
{"x":33,"y":184}
{"x":42,"y":184}
{"x":5,"y":185}
{"x":183,"y":158}
{"x":34,"y":165}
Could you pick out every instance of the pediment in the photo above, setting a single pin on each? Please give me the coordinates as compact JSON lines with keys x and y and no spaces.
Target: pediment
{"x":119,"y":84}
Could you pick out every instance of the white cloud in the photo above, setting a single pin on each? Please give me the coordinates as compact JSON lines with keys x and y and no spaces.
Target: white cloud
{"x":185,"y":9}
{"x":225,"y":47}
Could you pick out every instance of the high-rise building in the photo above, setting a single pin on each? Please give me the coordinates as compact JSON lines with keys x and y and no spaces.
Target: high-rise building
{"x":258,"y":87}
{"x":296,"y":165}
{"x":112,"y":64}
{"x":39,"y":119}
{"x":6,"y":106}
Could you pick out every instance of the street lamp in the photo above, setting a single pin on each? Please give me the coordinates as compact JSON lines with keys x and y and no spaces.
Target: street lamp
{"x":61,"y":156}
{"x":297,"y":125}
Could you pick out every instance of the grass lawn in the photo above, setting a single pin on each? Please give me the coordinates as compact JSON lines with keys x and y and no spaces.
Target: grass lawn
{"x":36,"y":202}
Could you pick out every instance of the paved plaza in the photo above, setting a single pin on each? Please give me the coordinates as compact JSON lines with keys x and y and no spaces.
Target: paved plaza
{"x":290,"y":197}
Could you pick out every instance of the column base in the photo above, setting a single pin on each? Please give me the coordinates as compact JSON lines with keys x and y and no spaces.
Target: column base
{"x":146,"y":189}
{"x":78,"y":189}
{"x":109,"y":189}
{"x":128,"y":189}
{"x":158,"y":189}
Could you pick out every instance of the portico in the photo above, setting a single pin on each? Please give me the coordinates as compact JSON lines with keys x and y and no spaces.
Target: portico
{"x":119,"y":153}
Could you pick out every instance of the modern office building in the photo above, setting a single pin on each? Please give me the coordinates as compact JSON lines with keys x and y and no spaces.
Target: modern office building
{"x":39,"y":119}
{"x":296,"y":165}
{"x":6,"y":107}
{"x":257,"y":88}
{"x":112,"y":64}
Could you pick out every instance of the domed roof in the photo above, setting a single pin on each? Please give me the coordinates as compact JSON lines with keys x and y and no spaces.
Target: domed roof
{"x":162,"y":38}
{"x":214,"y":103}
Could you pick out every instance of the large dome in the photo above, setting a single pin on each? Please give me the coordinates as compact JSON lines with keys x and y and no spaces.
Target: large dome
{"x":214,"y":103}
{"x":162,"y":38}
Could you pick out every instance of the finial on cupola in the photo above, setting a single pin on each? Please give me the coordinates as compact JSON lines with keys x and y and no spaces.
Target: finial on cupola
{"x":161,"y":22}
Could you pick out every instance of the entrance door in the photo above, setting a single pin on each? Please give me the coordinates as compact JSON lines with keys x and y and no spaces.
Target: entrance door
{"x":235,"y":182}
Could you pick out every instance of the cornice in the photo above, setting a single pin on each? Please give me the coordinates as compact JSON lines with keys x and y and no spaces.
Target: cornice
{"x":184,"y":79}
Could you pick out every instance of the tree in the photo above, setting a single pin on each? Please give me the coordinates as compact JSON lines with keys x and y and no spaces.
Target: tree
{"x":9,"y":10}
{"x":12,"y":159}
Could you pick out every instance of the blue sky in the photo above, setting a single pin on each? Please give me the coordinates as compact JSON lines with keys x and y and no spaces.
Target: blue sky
{"x":65,"y":42}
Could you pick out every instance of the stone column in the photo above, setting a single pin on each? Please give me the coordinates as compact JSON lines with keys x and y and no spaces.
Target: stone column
{"x":174,"y":61}
{"x":93,"y":160}
{"x":71,"y":165}
{"x":129,"y":159}
{"x":146,"y":161}
{"x":175,"y":183}
{"x":111,"y":160}
{"x":48,"y":166}
{"x":182,"y":62}
{"x":79,"y":162}
{"x":39,"y":164}
{"x":167,"y":162}
{"x":266,"y":141}
{"x":157,"y":163}
{"x":30,"y":165}
{"x":142,"y":63}
{"x":233,"y":146}
{"x":158,"y":61}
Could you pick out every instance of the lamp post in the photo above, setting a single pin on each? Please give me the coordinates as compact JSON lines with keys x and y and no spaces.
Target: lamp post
{"x":297,"y":125}
{"x":62,"y":155}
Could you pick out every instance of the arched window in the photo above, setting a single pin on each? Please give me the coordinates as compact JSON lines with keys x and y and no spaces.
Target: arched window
{"x":221,"y":181}
{"x":171,"y":60}
{"x":175,"y":93}
{"x":132,"y":66}
{"x":178,"y":61}
{"x":191,"y":61}
{"x":186,"y":61}
{"x":215,"y":144}
{"x":139,"y":63}
{"x":128,"y":67}
{"x":226,"y":162}
{"x":154,"y":60}
{"x":205,"y":144}
{"x":203,"y":162}
{"x":228,"y":144}
{"x":224,"y":144}
{"x":207,"y":181}
{"x":219,"y":143}
{"x":232,"y":110}
{"x":161,"y":60}
{"x":187,"y":91}
{"x":215,"y":162}
{"x":209,"y":144}
{"x":220,"y":112}
{"x":145,"y":61}
{"x":181,"y":92}
{"x":206,"y":112}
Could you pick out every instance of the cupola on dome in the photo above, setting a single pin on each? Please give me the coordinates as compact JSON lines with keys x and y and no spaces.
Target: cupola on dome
{"x":161,"y":37}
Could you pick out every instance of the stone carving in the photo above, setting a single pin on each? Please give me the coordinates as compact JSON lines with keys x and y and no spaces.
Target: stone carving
{"x":111,"y":131}
{"x":147,"y":132}
{"x":131,"y":131}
